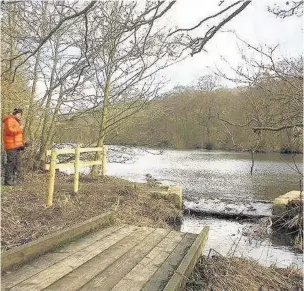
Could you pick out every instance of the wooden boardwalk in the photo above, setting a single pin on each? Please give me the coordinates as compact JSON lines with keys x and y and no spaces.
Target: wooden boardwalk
{"x":120,"y":258}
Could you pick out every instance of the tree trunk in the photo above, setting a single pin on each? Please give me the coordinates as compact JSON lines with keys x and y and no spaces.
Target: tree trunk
{"x":30,"y":115}
{"x":50,"y":135}
{"x":6,"y":103}
{"x":28,"y":127}
{"x":102,"y":133}
{"x":47,"y":111}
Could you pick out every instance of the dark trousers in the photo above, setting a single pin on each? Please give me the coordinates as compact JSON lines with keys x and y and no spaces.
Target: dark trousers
{"x":13,"y":166}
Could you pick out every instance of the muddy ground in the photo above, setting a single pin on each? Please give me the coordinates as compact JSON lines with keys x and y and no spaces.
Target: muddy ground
{"x":25,"y":217}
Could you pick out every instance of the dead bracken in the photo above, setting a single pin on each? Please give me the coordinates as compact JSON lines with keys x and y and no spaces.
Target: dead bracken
{"x":291,"y":221}
{"x":217,"y":273}
{"x":25,"y":217}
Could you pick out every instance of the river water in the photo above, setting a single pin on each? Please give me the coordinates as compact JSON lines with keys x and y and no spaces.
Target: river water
{"x":216,"y":175}
{"x":210,"y":177}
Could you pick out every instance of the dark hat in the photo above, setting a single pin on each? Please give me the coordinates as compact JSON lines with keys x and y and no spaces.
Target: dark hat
{"x":17,"y":110}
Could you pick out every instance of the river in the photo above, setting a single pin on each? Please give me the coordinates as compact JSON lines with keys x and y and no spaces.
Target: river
{"x":210,"y":177}
{"x":214,"y":176}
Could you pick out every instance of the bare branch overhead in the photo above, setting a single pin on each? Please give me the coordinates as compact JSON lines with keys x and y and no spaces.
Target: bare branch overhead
{"x":198,"y":44}
{"x":205,"y":19}
{"x":49,"y":35}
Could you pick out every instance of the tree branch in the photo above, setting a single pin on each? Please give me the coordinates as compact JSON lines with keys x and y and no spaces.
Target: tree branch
{"x":277,"y":128}
{"x":296,"y":9}
{"x":234,"y":124}
{"x":45,"y":39}
{"x":205,"y":19}
{"x":199,"y":43}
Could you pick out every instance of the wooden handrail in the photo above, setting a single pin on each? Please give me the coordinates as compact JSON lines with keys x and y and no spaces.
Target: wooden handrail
{"x":52,"y":166}
{"x":72,"y":151}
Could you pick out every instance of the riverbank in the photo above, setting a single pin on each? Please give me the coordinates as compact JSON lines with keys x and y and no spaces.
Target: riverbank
{"x":25,"y":217}
{"x":283,"y":150}
{"x":216,"y":272}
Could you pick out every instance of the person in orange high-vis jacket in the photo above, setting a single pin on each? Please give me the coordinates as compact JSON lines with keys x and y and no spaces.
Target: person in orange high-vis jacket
{"x":13,"y":141}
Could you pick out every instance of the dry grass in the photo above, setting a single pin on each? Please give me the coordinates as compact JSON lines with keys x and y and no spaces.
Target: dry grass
{"x":25,"y":217}
{"x":291,"y":222}
{"x":219,"y":273}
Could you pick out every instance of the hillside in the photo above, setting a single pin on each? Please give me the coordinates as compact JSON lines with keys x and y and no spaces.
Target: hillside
{"x":187,"y":119}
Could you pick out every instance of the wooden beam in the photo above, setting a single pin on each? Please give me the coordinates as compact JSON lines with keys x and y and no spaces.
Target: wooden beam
{"x":71,"y":165}
{"x":144,"y":270}
{"x":104,"y":160}
{"x":11,"y":279}
{"x":49,"y":201}
{"x":107,"y":279}
{"x":76,"y":170}
{"x":87,"y":150}
{"x":61,"y":166}
{"x":61,"y":151}
{"x":163,"y":273}
{"x":179,"y":279}
{"x":31,"y":250}
{"x":72,"y":151}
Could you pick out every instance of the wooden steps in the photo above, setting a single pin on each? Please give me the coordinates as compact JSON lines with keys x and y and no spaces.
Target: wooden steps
{"x":116,"y":258}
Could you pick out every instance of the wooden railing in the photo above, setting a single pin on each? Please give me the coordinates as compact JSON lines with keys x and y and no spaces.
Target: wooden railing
{"x":52,"y":166}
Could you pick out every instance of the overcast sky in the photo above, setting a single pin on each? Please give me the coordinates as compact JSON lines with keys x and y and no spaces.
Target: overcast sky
{"x":255,"y":25}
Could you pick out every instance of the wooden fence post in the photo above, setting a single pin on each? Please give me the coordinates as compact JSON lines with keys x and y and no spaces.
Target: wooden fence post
{"x":76,"y":169}
{"x":104,"y":160}
{"x":52,"y":178}
{"x":53,"y":166}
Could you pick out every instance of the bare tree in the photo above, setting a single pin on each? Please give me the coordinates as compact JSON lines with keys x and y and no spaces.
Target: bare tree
{"x":208,"y":83}
{"x":272,"y":87}
{"x":27,"y":54}
{"x":73,"y":47}
{"x":132,"y":51}
{"x":74,"y":10}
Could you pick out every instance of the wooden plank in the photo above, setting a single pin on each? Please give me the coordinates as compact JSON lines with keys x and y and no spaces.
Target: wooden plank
{"x":76,"y":169}
{"x":72,"y":151}
{"x":160,"y":278}
{"x":33,"y":249}
{"x":55,"y":272}
{"x":109,"y":278}
{"x":87,"y":150}
{"x":104,"y":160}
{"x":139,"y":275}
{"x":61,"y":151}
{"x":11,"y":279}
{"x":178,"y":280}
{"x":71,"y":165}
{"x":49,"y":201}
{"x":80,"y":276}
{"x":61,"y":166}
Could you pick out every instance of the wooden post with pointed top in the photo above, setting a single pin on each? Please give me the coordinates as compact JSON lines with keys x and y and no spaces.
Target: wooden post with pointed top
{"x":76,"y":169}
{"x":104,"y":160}
{"x":52,"y":178}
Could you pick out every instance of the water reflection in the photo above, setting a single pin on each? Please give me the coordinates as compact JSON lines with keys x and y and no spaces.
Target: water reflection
{"x":214,"y":174}
{"x":220,"y":175}
{"x":226,"y":237}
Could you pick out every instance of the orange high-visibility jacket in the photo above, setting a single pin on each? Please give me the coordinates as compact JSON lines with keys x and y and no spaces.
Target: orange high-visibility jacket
{"x":13,"y":137}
